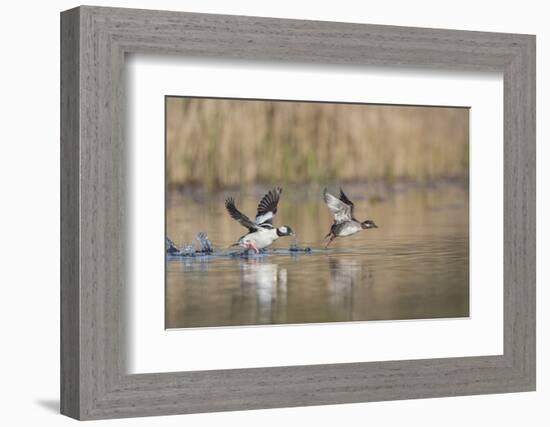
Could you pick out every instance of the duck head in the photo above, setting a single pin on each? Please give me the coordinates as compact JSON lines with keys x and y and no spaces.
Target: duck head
{"x":285,"y":230}
{"x":368,"y":224}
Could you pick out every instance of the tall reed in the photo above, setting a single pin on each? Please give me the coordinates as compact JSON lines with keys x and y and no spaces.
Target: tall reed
{"x":220,"y":143}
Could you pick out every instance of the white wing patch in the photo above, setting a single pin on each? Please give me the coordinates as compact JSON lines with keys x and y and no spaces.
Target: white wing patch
{"x":260,"y":219}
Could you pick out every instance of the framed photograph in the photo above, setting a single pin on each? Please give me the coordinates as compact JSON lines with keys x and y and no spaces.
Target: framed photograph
{"x":262,"y":213}
{"x":255,"y":236}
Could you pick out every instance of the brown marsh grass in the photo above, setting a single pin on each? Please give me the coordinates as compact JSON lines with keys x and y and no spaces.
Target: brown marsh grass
{"x":219,"y":143}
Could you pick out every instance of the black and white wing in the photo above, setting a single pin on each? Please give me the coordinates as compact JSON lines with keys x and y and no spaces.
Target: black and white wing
{"x":237,"y":215}
{"x":340,"y":210}
{"x":348,"y":202}
{"x":268,"y":208}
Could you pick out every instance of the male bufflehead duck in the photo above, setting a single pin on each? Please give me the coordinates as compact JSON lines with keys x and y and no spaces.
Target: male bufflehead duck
{"x":261,"y":231}
{"x":345,"y":223}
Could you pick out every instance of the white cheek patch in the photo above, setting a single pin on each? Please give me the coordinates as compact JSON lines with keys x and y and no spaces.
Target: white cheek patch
{"x":283,"y":229}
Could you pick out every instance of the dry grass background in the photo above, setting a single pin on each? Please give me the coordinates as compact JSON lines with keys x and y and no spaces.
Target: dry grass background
{"x":220,"y":143}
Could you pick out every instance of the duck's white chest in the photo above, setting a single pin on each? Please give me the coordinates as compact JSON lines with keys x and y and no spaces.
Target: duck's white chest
{"x":261,"y":238}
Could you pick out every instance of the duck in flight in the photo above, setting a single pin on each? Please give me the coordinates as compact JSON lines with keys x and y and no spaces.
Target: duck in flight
{"x":345,"y":223}
{"x":261,"y":232}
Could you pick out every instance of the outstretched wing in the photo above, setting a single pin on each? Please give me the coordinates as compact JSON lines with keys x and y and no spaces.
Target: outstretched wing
{"x":348,"y":202}
{"x":237,"y":215}
{"x":268,"y":208}
{"x":340,"y":210}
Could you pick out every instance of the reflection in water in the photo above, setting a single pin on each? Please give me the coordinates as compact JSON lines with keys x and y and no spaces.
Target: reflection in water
{"x":268,"y":284}
{"x":344,"y":274}
{"x":414,"y":266}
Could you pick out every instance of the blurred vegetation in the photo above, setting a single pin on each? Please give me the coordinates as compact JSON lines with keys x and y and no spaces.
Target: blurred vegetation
{"x":219,"y":143}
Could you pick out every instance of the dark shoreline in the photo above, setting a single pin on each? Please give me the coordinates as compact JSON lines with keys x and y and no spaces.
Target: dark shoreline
{"x":376,"y":189}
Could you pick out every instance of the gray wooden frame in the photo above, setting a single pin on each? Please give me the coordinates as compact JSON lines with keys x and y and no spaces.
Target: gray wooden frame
{"x":94,"y":41}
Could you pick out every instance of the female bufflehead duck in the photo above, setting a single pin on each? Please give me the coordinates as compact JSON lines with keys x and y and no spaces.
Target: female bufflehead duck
{"x":345,"y":223}
{"x":261,"y":231}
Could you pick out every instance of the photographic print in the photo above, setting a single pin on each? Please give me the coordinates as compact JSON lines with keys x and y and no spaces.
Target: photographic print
{"x":297,"y":212}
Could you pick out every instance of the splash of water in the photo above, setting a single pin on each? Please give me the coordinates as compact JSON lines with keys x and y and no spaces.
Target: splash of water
{"x":205,"y":245}
{"x":171,"y":247}
{"x":295,"y":246}
{"x":188,"y":250}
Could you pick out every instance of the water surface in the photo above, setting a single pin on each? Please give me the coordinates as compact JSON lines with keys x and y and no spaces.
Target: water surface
{"x":415,"y":266}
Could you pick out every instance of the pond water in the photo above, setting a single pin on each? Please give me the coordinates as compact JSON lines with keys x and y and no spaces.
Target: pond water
{"x":414,"y":266}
